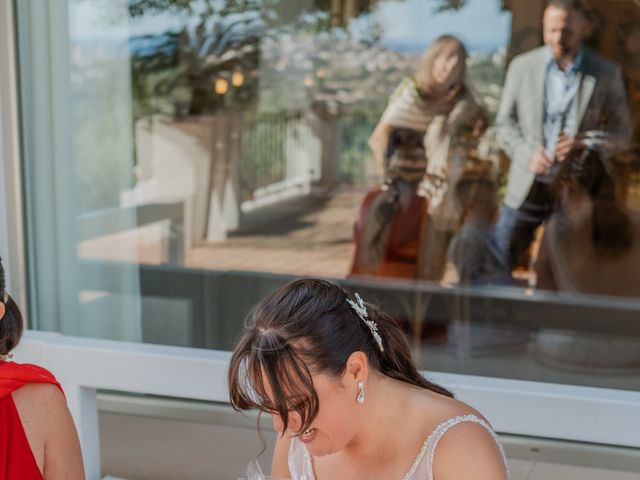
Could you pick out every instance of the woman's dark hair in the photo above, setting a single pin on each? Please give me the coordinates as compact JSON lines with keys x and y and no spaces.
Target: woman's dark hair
{"x":405,"y":157}
{"x":308,"y":327}
{"x":476,"y":188}
{"x":11,"y":324}
{"x":590,"y":169}
{"x":405,"y":140}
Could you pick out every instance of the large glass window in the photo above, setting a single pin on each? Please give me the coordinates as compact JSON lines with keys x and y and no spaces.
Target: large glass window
{"x":183,"y":158}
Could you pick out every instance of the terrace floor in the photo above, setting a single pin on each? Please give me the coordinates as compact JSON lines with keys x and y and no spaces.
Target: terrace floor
{"x":316,"y":240}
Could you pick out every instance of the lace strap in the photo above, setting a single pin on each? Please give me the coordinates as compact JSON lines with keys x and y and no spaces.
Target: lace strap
{"x":308,"y":466}
{"x":300,"y":464}
{"x":305,"y":464}
{"x":432,"y":442}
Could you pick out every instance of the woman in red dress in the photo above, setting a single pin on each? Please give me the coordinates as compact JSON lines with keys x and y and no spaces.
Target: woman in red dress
{"x":38,"y":439}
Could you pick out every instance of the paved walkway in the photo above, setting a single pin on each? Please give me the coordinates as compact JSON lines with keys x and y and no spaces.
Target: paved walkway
{"x":316,"y":241}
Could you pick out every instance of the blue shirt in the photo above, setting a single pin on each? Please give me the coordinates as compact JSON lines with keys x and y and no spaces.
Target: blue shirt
{"x":560,"y":89}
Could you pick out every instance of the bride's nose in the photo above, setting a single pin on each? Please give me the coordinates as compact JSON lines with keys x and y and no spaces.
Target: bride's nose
{"x":294,"y":423}
{"x":278,"y":425}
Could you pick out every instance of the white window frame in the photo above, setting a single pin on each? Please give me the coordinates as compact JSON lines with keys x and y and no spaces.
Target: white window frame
{"x":12,"y":238}
{"x":566,"y":412}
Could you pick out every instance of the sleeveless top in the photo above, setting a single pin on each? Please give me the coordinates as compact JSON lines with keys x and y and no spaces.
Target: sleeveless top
{"x":301,"y":467}
{"x":16,"y":458}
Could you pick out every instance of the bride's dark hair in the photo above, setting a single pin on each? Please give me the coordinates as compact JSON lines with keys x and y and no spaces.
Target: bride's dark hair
{"x":308,"y":327}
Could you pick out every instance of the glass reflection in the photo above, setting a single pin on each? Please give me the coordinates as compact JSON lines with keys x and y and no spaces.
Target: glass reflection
{"x":591,"y":245}
{"x":220,"y":148}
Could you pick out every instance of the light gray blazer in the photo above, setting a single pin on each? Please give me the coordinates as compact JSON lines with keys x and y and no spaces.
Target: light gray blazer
{"x":599,"y":104}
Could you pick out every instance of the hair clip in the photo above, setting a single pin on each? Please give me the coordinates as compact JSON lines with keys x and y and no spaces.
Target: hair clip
{"x":360,"y":309}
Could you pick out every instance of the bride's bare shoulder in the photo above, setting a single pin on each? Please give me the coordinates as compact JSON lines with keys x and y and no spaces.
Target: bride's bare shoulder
{"x":466,"y":440}
{"x":468,"y":450}
{"x":436,"y":408}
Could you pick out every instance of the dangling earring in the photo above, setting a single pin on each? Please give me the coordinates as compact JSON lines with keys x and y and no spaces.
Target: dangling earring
{"x":360,"y":398}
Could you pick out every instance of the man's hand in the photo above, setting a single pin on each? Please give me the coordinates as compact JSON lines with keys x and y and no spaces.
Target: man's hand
{"x":564,"y":146}
{"x":539,"y":162}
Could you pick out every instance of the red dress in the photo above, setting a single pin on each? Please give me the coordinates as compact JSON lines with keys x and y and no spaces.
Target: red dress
{"x":16,"y":458}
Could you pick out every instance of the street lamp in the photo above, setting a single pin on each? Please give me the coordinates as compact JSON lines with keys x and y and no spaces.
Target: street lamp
{"x":221,"y":86}
{"x":237,"y":78}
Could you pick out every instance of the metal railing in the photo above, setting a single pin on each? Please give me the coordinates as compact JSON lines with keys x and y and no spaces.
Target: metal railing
{"x":279,"y":153}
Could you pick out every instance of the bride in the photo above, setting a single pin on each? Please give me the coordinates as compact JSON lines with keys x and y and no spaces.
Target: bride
{"x":336,"y":375}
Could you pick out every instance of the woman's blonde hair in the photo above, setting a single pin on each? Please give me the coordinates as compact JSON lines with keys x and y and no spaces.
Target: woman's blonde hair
{"x":424,"y":76}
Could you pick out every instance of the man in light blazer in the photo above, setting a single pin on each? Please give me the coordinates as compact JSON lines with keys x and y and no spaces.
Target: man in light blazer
{"x":551,"y":94}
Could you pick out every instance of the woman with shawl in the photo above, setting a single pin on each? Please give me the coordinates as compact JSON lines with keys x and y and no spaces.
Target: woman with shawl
{"x":437,"y":105}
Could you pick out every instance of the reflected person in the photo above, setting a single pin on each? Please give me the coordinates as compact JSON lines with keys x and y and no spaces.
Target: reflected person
{"x":387,"y":231}
{"x":592,"y":243}
{"x":550,"y":95}
{"x":474,"y":260}
{"x":437,"y":103}
{"x":473,"y":255}
{"x":591,"y":246}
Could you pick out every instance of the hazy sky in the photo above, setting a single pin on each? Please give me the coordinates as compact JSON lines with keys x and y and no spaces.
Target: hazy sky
{"x":481,"y":24}
{"x":406,"y":24}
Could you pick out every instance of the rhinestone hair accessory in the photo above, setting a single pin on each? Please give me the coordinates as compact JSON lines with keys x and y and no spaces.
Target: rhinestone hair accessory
{"x":361,"y":311}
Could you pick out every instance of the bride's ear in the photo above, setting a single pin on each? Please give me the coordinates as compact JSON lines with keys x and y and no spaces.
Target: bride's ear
{"x":2,"y":310}
{"x":357,"y":368}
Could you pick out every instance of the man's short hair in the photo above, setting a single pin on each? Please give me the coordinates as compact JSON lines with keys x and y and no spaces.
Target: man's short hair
{"x":575,"y":5}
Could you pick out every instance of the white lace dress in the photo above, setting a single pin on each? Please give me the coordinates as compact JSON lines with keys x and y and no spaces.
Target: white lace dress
{"x":301,"y":468}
